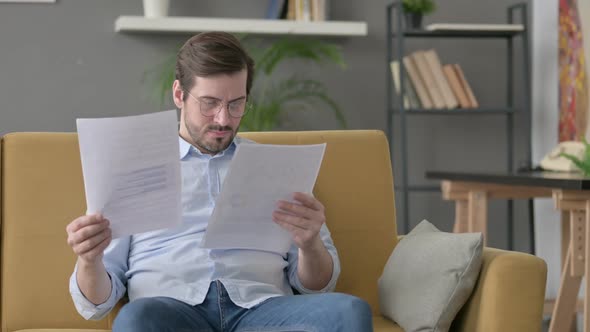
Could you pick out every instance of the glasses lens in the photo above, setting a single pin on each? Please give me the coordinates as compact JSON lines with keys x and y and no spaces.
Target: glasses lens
{"x":209,"y":106}
{"x":236,"y":108}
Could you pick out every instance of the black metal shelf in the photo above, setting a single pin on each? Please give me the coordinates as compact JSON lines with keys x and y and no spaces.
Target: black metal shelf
{"x":397,"y":36}
{"x":456,"y":111}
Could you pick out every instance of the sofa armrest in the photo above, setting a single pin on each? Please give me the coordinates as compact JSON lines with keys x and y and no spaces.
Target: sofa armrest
{"x":508,"y":296}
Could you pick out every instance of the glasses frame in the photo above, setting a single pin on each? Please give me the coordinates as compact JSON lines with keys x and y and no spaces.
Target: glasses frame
{"x":221,"y":106}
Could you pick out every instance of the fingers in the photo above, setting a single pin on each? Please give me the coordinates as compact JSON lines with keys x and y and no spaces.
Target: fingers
{"x":84,"y":221}
{"x":89,"y":236}
{"x":87,"y":232}
{"x":286,"y":218}
{"x":94,"y":245}
{"x":303,"y":237}
{"x":309,"y":207}
{"x":296,"y":209}
{"x":303,"y":218}
{"x":308,"y":201}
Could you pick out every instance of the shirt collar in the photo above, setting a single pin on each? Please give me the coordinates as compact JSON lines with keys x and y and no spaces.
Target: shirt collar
{"x":184,"y":147}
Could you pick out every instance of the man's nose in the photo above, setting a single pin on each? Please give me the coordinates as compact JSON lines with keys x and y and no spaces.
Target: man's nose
{"x":222,"y":117}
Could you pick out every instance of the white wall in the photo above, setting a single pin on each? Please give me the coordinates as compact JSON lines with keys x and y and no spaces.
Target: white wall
{"x":544,"y":126}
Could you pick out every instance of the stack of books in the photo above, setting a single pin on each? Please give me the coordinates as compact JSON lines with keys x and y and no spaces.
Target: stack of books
{"x":430,"y":85}
{"x":299,"y":10}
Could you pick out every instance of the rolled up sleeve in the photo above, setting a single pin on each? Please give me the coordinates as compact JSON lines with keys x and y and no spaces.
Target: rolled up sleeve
{"x":293,"y":259}
{"x":115,"y":260}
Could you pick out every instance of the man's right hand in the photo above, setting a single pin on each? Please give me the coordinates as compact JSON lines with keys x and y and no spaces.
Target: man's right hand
{"x":89,"y":236}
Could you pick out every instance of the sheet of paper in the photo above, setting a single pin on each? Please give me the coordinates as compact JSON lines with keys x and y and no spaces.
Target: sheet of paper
{"x":132,"y":171}
{"x":259,"y":176}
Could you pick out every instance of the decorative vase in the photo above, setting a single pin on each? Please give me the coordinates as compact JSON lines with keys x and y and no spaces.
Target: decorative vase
{"x":155,"y":8}
{"x":413,"y":20}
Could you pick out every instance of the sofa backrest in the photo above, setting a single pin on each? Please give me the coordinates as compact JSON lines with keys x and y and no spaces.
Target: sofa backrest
{"x":42,"y":190}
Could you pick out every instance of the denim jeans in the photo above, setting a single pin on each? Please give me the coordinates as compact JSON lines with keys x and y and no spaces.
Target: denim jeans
{"x":294,"y":313}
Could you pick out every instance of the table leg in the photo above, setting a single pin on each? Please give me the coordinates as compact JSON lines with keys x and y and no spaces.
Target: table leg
{"x":574,"y":267}
{"x":478,"y":213}
{"x":561,"y":319}
{"x":461,"y":216}
{"x":565,"y":243}
{"x":586,"y":267}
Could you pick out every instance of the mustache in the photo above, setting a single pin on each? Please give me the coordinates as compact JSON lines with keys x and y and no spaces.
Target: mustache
{"x":220,"y":128}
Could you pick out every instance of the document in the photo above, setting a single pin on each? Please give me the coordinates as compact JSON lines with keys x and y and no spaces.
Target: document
{"x":132,"y":171}
{"x":259,"y":176}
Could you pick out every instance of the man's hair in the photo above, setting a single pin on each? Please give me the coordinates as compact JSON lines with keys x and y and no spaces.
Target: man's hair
{"x":211,"y":53}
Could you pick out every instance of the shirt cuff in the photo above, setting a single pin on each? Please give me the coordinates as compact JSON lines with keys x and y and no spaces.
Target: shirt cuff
{"x":87,"y":309}
{"x":330,"y":286}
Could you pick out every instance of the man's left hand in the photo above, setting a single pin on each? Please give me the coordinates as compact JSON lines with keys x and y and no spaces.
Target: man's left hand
{"x":303,"y":219}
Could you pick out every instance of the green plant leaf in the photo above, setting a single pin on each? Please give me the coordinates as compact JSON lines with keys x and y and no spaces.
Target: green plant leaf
{"x":583,"y":165}
{"x":292,"y":94}
{"x":419,"y":6}
{"x":160,"y":79}
{"x":289,"y":48}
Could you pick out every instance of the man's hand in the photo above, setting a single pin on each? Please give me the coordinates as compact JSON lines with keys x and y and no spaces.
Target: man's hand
{"x":89,"y":236}
{"x":302,"y":220}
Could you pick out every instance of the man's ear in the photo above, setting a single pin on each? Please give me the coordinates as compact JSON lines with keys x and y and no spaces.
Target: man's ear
{"x":177,"y":94}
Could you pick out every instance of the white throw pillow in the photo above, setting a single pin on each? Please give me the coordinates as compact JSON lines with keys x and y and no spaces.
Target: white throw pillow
{"x":428,"y":277}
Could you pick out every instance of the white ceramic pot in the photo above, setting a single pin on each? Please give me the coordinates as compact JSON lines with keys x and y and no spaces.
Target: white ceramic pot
{"x":155,"y":8}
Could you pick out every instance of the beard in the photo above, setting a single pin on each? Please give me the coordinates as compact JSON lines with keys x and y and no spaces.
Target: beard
{"x":212,"y":145}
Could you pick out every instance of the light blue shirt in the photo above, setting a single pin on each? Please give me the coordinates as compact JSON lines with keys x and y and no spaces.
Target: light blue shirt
{"x":171,"y":262}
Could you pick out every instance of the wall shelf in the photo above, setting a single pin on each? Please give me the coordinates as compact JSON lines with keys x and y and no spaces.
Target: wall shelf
{"x":189,"y":25}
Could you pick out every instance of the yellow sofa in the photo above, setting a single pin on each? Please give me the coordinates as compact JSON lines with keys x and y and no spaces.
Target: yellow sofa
{"x":42,"y":190}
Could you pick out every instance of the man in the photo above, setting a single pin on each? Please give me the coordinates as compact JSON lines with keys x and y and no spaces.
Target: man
{"x":175,"y":285}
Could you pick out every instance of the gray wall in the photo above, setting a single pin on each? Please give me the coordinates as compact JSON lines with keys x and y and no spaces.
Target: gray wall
{"x":62,"y":61}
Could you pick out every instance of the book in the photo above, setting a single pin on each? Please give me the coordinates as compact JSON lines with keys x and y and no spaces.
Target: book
{"x":292,"y":9}
{"x":410,"y":91}
{"x":440,"y":79}
{"x":319,"y":10}
{"x":394,"y":65}
{"x":303,"y":12}
{"x":475,"y":27}
{"x":275,"y":9}
{"x":428,"y":79}
{"x":466,"y":87}
{"x":456,"y":86}
{"x":419,"y":86}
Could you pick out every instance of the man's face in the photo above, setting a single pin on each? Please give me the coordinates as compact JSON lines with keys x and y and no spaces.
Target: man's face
{"x":213,"y":131}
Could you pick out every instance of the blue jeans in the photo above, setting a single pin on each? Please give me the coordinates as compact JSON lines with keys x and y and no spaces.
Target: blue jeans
{"x":293,"y":313}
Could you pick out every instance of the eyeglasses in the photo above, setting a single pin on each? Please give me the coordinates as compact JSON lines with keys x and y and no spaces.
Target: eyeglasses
{"x":212,"y":106}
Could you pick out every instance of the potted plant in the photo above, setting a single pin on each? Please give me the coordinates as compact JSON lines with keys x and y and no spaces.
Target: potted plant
{"x":271,"y":98}
{"x":582,"y":164}
{"x":414,"y":10}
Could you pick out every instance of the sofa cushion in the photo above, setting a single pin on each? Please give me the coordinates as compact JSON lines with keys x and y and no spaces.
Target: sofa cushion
{"x":428,"y":277}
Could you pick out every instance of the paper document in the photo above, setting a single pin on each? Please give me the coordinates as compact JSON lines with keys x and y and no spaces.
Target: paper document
{"x":259,"y":176}
{"x":132,"y":171}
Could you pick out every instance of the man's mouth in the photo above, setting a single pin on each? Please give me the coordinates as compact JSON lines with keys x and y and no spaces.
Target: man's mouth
{"x":219,"y":132}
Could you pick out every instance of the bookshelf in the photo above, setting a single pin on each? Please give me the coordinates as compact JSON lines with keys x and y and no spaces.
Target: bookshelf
{"x":397,"y":37}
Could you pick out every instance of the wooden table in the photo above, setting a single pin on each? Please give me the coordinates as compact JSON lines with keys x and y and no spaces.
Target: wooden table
{"x":571,"y":195}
